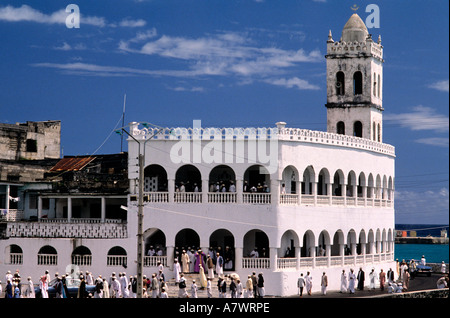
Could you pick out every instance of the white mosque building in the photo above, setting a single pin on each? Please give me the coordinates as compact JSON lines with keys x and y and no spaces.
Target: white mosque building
{"x":306,"y":201}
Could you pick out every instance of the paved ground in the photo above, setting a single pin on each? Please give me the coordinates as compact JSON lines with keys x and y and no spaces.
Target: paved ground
{"x":421,"y":282}
{"x":418,"y":283}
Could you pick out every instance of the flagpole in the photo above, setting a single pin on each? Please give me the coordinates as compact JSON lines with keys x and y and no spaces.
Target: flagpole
{"x":123,"y":119}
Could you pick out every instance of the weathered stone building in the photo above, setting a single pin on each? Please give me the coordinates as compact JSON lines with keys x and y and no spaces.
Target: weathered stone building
{"x":30,"y":140}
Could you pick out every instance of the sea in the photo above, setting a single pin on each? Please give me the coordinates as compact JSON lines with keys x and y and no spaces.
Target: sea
{"x":434,"y":253}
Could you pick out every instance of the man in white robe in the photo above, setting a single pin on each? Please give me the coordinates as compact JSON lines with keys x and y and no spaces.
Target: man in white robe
{"x":219,"y":265}
{"x":372,"y":278}
{"x":177,"y":270}
{"x":343,"y":282}
{"x":192,"y":261}
{"x":115,"y":288}
{"x":124,"y":285}
{"x":351,"y":281}
{"x":308,"y":283}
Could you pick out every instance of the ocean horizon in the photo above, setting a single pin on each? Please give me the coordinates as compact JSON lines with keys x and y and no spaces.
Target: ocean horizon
{"x":434,"y":253}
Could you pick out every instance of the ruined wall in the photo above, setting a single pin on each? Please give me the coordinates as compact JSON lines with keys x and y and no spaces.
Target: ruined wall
{"x":30,"y":140}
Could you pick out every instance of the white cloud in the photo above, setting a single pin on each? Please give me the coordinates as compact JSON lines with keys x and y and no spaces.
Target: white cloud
{"x":67,"y":47}
{"x":292,"y":82}
{"x":440,"y":86}
{"x":428,"y":206}
{"x":132,"y":23}
{"x":434,"y":141}
{"x":421,"y":118}
{"x":226,"y":53}
{"x":26,"y":13}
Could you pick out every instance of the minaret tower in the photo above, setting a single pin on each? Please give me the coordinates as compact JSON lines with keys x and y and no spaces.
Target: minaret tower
{"x":355,"y":82}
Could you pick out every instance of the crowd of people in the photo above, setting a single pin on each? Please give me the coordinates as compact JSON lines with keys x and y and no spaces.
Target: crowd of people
{"x":392,"y":281}
{"x":228,"y":286}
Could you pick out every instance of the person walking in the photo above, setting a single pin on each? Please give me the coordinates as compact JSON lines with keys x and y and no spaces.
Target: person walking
{"x":343,"y":282}
{"x":361,"y":278}
{"x":255,"y":285}
{"x":210,"y":265}
{"x":390,"y":276}
{"x":219,"y":265}
{"x":233,"y":288}
{"x":308,"y":283}
{"x":324,"y":283}
{"x":176,"y":270}
{"x":29,"y":290}
{"x":300,"y":284}
{"x":194,"y":289}
{"x":372,"y":278}
{"x":222,"y":285}
{"x":351,"y":281}
{"x":261,"y":290}
{"x":208,"y":288}
{"x":182,"y":287}
{"x":382,"y":279}
{"x":249,"y":287}
{"x":155,"y":286}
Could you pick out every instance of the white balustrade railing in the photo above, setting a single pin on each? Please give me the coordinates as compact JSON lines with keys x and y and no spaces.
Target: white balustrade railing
{"x":156,"y":197}
{"x":188,"y":197}
{"x":256,"y":198}
{"x":15,"y":258}
{"x":116,"y":260}
{"x":153,"y":261}
{"x":82,"y":260}
{"x":289,"y":199}
{"x":286,"y":263}
{"x":222,"y":197}
{"x":262,"y":263}
{"x":47,"y":259}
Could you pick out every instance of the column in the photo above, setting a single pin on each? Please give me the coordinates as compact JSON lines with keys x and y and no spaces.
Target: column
{"x":8,"y":191}
{"x":363,"y":252}
{"x":238,"y":259}
{"x":239,"y":191}
{"x":39,"y":208}
{"x":103,"y":213}
{"x":171,"y":188}
{"x":297,"y":256}
{"x":330,"y":192}
{"x":273,"y":258}
{"x":69,"y":209}
{"x":314,"y":191}
{"x":328,"y":254}
{"x":364,"y":194}
{"x":205,"y":189}
{"x":170,"y":257}
{"x":275,"y":191}
{"x":299,"y":192}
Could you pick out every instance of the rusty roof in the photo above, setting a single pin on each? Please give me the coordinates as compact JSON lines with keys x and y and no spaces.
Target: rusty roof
{"x":72,"y":164}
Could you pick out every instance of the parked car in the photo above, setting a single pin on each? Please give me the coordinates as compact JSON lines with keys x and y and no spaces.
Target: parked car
{"x":423,"y":269}
{"x":72,"y":285}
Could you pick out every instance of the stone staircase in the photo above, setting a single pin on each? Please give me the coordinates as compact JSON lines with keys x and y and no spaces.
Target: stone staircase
{"x":201,"y":293}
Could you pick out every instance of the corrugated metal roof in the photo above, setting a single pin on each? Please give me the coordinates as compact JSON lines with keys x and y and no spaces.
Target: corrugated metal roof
{"x":72,"y":164}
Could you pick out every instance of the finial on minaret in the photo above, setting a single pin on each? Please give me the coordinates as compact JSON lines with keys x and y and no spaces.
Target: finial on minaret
{"x":379,"y":39}
{"x":330,"y":37}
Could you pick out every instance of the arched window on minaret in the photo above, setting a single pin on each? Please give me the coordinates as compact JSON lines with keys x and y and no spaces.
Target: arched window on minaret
{"x":374,"y":132}
{"x":379,"y":133}
{"x":379,"y":86}
{"x":357,"y":129}
{"x":340,"y":83}
{"x":374,"y":84}
{"x":357,"y":83}
{"x":340,"y":128}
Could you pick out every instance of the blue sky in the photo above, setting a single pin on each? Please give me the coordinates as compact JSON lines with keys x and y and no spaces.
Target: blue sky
{"x":247,"y":63}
